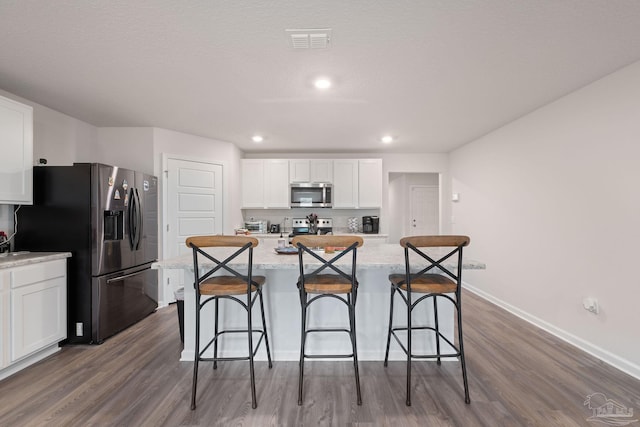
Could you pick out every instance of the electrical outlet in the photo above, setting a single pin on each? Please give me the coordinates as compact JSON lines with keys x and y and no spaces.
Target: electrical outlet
{"x":591,"y":304}
{"x":79,"y":329}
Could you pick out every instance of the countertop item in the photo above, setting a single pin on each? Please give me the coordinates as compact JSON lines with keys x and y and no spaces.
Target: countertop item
{"x":288,"y":250}
{"x":16,"y":259}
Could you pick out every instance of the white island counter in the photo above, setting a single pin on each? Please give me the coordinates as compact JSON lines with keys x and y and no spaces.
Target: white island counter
{"x":375,"y":262}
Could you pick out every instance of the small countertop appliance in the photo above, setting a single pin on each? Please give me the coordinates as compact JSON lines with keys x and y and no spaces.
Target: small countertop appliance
{"x":370,"y":224}
{"x":259,"y":226}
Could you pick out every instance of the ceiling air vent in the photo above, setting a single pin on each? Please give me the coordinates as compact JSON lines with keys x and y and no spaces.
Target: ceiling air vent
{"x":309,"y":38}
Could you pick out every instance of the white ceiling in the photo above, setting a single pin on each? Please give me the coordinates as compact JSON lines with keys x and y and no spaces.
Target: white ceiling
{"x":435,"y":74}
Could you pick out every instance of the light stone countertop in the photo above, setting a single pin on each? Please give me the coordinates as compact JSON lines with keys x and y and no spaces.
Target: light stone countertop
{"x":17,"y":259}
{"x":370,"y":256}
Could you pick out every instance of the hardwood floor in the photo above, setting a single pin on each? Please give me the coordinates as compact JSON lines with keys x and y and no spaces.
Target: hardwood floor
{"x":518,"y":375}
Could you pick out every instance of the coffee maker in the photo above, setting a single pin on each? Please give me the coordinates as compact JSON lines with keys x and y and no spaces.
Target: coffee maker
{"x":370,"y":224}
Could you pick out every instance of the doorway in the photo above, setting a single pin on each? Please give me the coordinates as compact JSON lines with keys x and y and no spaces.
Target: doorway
{"x":423,"y":210}
{"x":193,"y":206}
{"x":413,"y":196}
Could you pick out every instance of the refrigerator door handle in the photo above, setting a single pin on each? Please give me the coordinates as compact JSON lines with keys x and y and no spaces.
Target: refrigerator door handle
{"x":135,"y":220}
{"x":126,"y":276}
{"x":130,"y":217}
{"x":138,"y":219}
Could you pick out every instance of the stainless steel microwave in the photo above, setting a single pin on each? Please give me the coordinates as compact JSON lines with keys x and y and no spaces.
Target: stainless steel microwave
{"x":311,"y":195}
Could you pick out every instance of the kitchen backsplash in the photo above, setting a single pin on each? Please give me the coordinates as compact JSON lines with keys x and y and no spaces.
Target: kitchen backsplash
{"x":6,"y":219}
{"x":339,"y":216}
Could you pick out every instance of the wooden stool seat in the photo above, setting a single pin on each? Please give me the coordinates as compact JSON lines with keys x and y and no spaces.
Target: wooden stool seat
{"x":229,"y":285}
{"x":425,"y":284}
{"x":327,"y":284}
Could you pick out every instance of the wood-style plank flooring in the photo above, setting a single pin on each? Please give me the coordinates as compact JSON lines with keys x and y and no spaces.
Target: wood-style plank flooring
{"x":518,"y":376}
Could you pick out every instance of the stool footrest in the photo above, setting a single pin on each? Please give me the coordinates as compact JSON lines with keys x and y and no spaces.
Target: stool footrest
{"x":215,"y":338}
{"x":422,"y":356}
{"x":328,"y":356}
{"x":328,"y":330}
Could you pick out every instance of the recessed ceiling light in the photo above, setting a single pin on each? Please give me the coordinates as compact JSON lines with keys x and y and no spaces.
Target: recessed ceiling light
{"x":387,"y":139}
{"x":322,"y":83}
{"x":257,"y":138}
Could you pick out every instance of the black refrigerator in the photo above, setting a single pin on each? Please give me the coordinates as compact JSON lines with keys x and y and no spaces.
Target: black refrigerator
{"x":107,"y":217}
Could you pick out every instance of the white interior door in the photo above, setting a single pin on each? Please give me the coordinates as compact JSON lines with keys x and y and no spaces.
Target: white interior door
{"x":424,"y":210}
{"x":194,"y":207}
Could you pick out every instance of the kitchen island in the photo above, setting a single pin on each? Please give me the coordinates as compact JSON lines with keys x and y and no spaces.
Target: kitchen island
{"x":282,"y":305}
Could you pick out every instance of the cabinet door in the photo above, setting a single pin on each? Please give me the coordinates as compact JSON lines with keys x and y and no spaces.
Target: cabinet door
{"x":276,"y":183}
{"x":299,"y":171}
{"x":252,"y":183}
{"x":4,"y":319}
{"x":321,"y":170}
{"x":16,"y":148}
{"x":370,"y":183}
{"x":38,"y":309}
{"x":345,"y":183}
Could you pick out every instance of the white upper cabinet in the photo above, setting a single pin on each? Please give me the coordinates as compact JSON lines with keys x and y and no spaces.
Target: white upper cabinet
{"x":357,"y":183}
{"x":345,"y":183}
{"x":370,"y":183}
{"x":299,"y":171}
{"x":252,"y":183}
{"x":315,"y":170}
{"x":16,"y":152}
{"x":265,"y":183}
{"x":276,"y":179}
{"x":321,"y":170}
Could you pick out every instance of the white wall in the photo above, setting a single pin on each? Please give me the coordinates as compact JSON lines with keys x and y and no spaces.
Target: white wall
{"x":126,"y":147}
{"x":552,"y":205}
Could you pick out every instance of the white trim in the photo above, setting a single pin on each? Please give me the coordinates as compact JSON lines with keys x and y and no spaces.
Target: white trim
{"x":29,"y":360}
{"x":606,"y":356}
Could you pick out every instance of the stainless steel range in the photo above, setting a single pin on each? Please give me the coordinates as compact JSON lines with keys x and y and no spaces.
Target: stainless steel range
{"x":324,"y":226}
{"x":303,"y":226}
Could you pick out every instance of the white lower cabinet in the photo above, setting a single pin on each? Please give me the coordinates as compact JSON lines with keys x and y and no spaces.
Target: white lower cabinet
{"x":4,"y":319}
{"x":34,"y":313}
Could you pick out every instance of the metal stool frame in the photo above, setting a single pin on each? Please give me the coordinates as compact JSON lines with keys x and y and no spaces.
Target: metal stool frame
{"x":304,"y":244}
{"x":245,"y":244}
{"x":412,"y":244}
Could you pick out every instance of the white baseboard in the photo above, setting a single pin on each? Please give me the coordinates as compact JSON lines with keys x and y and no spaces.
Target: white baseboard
{"x":29,"y":360}
{"x":606,"y":356}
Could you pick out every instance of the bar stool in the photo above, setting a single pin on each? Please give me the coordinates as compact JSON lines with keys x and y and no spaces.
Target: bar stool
{"x":231,"y":286}
{"x":343,"y":282}
{"x":437,"y":284}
